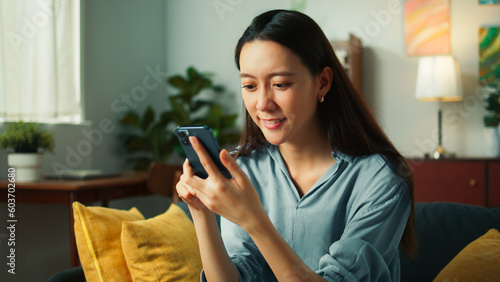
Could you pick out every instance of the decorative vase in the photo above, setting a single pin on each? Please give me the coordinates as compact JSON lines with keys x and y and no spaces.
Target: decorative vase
{"x":27,"y":165}
{"x":492,"y":142}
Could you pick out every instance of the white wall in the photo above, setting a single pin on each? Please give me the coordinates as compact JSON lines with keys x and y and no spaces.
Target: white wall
{"x":124,"y":68}
{"x":204,"y":33}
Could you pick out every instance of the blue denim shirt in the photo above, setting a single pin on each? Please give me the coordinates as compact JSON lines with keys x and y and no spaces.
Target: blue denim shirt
{"x":347,"y":227}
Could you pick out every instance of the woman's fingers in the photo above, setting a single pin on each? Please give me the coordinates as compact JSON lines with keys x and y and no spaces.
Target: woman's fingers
{"x":233,"y":167}
{"x":186,"y":179}
{"x":216,"y":193}
{"x":187,"y":173}
{"x":185,"y":191}
{"x":186,"y":168}
{"x":205,"y":159}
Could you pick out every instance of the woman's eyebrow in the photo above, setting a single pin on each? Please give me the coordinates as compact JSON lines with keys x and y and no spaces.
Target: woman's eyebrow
{"x":284,"y":73}
{"x":242,"y":75}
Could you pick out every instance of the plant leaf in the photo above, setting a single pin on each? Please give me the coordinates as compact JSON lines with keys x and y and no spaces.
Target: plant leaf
{"x":158,"y":138}
{"x":131,"y":119}
{"x":218,"y":89}
{"x":192,"y":73}
{"x":165,"y":119}
{"x":147,"y":118}
{"x":181,"y":114}
{"x":26,"y":137}
{"x":199,"y":104}
{"x":199,"y":84}
{"x":228,"y":121}
{"x":179,"y":82}
{"x":137,"y":143}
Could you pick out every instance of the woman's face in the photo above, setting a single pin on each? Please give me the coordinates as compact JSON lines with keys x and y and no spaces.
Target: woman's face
{"x":279,"y":92}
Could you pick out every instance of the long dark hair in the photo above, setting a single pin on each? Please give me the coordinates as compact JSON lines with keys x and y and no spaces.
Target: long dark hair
{"x":344,"y":117}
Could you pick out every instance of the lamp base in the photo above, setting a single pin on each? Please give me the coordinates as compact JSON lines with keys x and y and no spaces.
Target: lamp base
{"x":440,"y":153}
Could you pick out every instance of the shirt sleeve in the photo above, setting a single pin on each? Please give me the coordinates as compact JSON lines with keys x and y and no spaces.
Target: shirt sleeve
{"x":368,"y":248}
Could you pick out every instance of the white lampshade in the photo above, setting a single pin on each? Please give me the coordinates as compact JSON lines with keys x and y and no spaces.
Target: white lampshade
{"x":438,"y":79}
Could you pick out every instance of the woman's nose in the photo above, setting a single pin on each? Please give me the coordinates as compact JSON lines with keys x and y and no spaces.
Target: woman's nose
{"x":265,"y":100}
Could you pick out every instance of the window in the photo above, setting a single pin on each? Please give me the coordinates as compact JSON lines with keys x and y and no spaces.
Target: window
{"x":40,"y":61}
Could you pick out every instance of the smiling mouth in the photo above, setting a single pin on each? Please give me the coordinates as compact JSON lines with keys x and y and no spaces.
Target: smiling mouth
{"x":273,"y":123}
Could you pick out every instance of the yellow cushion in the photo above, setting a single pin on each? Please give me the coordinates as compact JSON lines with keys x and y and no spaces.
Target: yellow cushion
{"x":163,"y":248}
{"x":479,"y":261}
{"x":97,"y":234}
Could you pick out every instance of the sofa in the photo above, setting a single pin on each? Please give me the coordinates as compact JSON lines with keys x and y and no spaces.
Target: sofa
{"x":444,"y":232}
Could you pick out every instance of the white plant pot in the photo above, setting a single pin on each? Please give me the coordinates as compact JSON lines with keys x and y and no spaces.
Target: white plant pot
{"x":491,"y":142}
{"x":27,"y":165}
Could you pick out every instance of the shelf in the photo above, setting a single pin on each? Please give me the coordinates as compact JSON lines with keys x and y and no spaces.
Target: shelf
{"x":350,"y":55}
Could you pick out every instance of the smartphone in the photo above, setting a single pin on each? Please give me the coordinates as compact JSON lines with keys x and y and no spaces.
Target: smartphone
{"x":206,"y":136}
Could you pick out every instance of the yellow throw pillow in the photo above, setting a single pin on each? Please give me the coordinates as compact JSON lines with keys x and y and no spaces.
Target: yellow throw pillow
{"x":163,"y":248}
{"x":479,"y":261}
{"x":97,"y":234}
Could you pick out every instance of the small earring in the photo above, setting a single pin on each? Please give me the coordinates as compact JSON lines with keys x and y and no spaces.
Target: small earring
{"x":322,"y":99}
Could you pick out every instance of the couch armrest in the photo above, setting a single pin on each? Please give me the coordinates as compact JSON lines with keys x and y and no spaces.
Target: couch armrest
{"x":443,"y":230}
{"x":74,"y":274}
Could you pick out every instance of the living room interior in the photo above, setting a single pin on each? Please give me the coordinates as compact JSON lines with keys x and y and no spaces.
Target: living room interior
{"x":124,"y":41}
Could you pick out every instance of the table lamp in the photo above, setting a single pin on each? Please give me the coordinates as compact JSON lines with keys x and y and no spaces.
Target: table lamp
{"x":438,"y":80}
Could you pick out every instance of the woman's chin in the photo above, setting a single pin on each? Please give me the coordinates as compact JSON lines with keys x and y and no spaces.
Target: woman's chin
{"x":273,"y":139}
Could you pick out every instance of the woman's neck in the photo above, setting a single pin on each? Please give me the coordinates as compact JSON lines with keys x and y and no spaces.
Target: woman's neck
{"x":297,"y":155}
{"x":306,"y":163}
{"x":308,"y":146}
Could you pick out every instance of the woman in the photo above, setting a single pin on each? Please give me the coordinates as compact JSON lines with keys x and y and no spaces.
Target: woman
{"x":318,"y":191}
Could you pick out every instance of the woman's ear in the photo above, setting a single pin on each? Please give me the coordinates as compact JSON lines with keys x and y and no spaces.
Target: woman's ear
{"x":325,"y":79}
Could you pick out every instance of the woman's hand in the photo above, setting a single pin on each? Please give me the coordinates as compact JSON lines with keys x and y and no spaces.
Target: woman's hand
{"x":234,"y":198}
{"x":184,"y":190}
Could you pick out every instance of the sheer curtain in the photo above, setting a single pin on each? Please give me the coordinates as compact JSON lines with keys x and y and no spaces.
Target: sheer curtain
{"x":40,"y":60}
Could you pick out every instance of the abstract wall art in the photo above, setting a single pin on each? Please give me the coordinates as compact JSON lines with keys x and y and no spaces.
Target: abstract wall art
{"x":489,"y":54}
{"x":489,"y":2}
{"x":427,"y":27}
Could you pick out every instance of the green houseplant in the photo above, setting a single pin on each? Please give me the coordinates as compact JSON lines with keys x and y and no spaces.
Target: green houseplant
{"x":28,"y":143}
{"x":151,"y":137}
{"x":492,"y":104}
{"x":492,"y":119}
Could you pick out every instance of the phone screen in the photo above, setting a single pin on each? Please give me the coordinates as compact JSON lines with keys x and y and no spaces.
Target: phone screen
{"x":206,"y":136}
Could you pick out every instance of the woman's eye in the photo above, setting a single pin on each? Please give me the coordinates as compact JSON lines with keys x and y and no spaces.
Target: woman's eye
{"x":248,"y":87}
{"x":281,"y":85}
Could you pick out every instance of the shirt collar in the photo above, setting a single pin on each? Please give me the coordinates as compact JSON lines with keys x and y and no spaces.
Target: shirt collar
{"x":338,"y":156}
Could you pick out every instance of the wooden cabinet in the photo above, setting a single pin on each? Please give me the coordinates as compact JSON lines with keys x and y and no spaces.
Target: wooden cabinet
{"x":350,"y":54}
{"x":468,"y":181}
{"x":493,"y":181}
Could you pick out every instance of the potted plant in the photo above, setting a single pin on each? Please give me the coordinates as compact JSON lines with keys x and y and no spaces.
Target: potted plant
{"x":28,"y":142}
{"x":151,"y":136}
{"x":492,"y":118}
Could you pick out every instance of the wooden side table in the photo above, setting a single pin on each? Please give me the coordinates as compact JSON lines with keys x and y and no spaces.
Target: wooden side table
{"x":473,"y":181}
{"x":65,"y":192}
